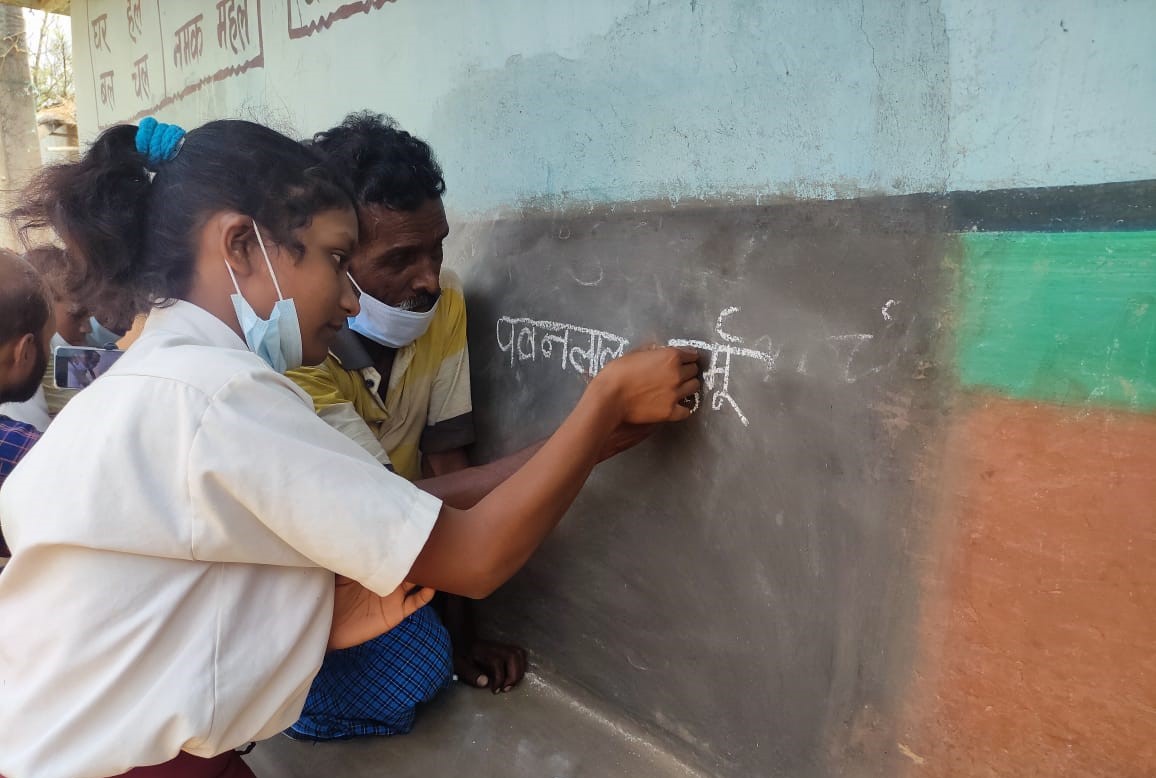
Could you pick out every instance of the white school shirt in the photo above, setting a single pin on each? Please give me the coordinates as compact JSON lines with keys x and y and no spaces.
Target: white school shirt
{"x":172,"y":536}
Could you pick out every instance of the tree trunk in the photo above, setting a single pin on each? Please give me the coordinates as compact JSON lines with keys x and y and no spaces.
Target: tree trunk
{"x":19,"y":146}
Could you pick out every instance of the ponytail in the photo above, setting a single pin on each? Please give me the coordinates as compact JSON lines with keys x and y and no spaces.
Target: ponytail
{"x":129,"y":211}
{"x":98,"y":206}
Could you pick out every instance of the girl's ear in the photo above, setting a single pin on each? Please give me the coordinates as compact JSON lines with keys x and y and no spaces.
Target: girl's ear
{"x":233,"y":235}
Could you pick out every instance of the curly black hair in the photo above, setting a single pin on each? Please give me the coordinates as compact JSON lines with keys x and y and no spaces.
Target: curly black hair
{"x":386,"y":165}
{"x":130,"y":230}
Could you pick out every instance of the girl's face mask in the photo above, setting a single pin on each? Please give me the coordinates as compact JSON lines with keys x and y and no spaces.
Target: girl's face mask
{"x":277,"y":340}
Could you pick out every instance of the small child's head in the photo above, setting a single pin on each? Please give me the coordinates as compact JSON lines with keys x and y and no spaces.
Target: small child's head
{"x":148,"y":223}
{"x":72,"y":315}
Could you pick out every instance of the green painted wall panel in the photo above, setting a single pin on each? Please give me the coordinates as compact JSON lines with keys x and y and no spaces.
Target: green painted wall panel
{"x":1060,"y":317}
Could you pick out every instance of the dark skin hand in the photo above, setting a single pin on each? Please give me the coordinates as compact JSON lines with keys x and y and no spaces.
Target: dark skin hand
{"x":360,"y":615}
{"x":484,"y":664}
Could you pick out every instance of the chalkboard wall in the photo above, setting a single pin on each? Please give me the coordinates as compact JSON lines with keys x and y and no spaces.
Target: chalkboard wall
{"x":741,"y":582}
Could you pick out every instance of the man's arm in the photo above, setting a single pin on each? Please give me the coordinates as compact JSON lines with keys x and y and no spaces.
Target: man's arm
{"x":478,"y":662}
{"x":444,"y":462}
{"x":465,"y":488}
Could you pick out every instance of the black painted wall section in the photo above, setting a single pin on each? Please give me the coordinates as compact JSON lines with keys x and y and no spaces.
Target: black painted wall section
{"x":748,"y":592}
{"x":745,"y":590}
{"x":1128,"y":205}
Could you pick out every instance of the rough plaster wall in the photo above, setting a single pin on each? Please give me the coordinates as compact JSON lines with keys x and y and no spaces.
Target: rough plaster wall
{"x":611,"y":101}
{"x":710,"y":101}
{"x":1051,"y":93}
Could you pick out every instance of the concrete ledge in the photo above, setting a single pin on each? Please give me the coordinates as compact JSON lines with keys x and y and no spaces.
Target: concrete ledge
{"x":537,"y":731}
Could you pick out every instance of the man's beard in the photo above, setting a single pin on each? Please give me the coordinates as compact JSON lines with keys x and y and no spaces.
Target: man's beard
{"x":27,"y":388}
{"x":422,"y":302}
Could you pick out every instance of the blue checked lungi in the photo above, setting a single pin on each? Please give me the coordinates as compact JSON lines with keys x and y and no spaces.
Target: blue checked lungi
{"x":375,"y":688}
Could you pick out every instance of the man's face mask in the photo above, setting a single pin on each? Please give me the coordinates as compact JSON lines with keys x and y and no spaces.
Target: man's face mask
{"x":277,"y":340}
{"x":387,"y":325}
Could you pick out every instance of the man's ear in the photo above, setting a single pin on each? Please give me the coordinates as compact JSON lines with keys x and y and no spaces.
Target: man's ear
{"x":26,"y":352}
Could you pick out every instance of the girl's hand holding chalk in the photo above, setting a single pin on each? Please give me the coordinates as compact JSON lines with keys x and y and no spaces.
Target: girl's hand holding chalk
{"x":650,"y":384}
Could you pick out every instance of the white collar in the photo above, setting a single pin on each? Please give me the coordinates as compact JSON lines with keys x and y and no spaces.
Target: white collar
{"x":184,"y":318}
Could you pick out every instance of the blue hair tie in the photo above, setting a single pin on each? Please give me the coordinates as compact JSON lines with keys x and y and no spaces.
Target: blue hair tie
{"x":158,"y":142}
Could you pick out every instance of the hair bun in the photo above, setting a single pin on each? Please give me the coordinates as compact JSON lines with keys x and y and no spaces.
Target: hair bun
{"x":158,"y":142}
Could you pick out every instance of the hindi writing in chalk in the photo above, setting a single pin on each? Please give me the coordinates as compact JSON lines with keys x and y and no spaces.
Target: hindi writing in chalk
{"x":717,"y":377}
{"x":847,"y":347}
{"x":586,"y":350}
{"x":529,"y":339}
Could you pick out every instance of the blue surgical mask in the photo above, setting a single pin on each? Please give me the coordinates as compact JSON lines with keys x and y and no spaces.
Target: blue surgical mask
{"x":277,"y":340}
{"x":99,"y":336}
{"x":387,"y":325}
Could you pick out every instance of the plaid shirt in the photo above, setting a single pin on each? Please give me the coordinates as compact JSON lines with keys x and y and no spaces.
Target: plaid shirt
{"x":16,"y":438}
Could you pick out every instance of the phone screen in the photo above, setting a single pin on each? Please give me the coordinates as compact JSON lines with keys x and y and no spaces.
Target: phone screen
{"x":75,"y":367}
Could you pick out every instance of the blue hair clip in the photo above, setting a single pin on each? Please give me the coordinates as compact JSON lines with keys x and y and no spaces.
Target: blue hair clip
{"x":158,"y":142}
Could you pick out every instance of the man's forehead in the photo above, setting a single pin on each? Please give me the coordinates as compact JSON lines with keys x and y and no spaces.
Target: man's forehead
{"x":379,"y":222}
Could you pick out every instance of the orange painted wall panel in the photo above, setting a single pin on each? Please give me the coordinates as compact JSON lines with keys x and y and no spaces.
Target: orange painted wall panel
{"x":1039,"y":638}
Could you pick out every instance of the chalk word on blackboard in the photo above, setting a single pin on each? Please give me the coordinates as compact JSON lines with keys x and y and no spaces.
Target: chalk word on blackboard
{"x":584,"y":349}
{"x":528,"y":340}
{"x":717,"y":377}
{"x":847,"y":347}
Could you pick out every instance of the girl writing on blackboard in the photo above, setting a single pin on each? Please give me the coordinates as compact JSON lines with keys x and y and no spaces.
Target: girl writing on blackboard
{"x":175,"y":534}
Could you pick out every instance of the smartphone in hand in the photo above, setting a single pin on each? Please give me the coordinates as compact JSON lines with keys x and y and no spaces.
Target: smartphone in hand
{"x":75,"y":367}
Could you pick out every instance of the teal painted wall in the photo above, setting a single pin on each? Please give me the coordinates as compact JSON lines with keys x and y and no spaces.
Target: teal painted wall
{"x":1067,"y":318}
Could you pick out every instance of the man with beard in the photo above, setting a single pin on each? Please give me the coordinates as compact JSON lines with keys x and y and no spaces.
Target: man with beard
{"x":397,"y":381}
{"x":26,"y":326}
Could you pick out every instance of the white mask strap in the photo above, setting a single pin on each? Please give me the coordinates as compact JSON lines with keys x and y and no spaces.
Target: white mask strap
{"x":233,"y":276}
{"x":268,"y":264}
{"x":355,"y":286}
